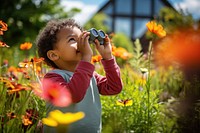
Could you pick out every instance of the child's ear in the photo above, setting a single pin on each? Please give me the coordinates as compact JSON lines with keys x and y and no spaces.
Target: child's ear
{"x":52,"y":55}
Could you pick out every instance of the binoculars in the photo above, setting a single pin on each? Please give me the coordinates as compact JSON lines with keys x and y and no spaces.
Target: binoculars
{"x":96,"y":34}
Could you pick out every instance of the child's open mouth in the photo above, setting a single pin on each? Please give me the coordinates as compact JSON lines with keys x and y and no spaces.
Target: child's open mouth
{"x":77,"y":51}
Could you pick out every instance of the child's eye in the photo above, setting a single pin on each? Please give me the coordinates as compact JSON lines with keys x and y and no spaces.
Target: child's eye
{"x":72,"y":39}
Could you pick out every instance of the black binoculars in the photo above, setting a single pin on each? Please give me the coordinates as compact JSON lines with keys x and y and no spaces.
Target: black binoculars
{"x":96,"y":34}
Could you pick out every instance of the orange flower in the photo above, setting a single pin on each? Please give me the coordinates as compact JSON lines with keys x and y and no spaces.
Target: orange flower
{"x":96,"y":58}
{"x":37,"y":60}
{"x":26,"y":121}
{"x":181,"y":47}
{"x":13,"y":87}
{"x":156,"y":28}
{"x":31,"y":63}
{"x":16,"y":88}
{"x":11,"y":115}
{"x":26,"y":46}
{"x":7,"y":82}
{"x":37,"y":89}
{"x":122,"y":53}
{"x":3,"y":27}
{"x":119,"y":51}
{"x":113,"y":48}
{"x":3,"y":44}
{"x":12,"y":69}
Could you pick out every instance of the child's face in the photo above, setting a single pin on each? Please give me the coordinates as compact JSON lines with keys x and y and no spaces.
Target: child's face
{"x":66,"y":46}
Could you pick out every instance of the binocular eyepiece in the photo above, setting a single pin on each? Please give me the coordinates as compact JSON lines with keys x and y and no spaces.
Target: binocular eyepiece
{"x":94,"y":34}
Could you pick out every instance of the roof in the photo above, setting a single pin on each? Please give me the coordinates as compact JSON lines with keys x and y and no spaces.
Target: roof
{"x":96,"y":6}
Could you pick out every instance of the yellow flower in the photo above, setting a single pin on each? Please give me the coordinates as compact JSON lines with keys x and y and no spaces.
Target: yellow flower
{"x":156,"y":28}
{"x":57,"y":118}
{"x":126,"y":102}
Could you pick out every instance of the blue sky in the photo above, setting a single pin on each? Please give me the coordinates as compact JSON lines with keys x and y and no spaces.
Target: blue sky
{"x":92,"y":2}
{"x":192,"y":6}
{"x":90,"y":7}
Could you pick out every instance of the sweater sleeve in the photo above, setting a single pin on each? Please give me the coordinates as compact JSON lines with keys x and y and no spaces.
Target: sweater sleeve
{"x":111,"y":83}
{"x":78,"y":83}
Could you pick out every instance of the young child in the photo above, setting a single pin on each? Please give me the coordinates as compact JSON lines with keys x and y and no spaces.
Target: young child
{"x":64,"y":45}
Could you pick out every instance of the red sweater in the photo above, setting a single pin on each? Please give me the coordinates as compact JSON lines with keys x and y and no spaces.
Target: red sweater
{"x":107,"y":85}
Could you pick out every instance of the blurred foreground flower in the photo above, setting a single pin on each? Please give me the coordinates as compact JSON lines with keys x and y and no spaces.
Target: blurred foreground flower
{"x":126,"y":102}
{"x":155,"y":28}
{"x":182,"y":47}
{"x":56,"y":94}
{"x":61,"y":120}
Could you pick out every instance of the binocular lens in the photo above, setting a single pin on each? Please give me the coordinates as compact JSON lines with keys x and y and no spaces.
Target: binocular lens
{"x":94,"y":34}
{"x":101,"y":34}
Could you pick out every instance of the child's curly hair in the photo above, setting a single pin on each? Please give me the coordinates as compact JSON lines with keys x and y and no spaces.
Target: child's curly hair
{"x":47,"y":39}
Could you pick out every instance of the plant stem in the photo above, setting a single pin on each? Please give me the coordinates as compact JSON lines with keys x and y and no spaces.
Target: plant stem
{"x":148,"y":86}
{"x":1,"y":57}
{"x":61,"y":129}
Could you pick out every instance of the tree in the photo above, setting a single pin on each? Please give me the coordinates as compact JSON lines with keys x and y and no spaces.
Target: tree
{"x":121,"y":40}
{"x":173,"y":20}
{"x":97,"y":22}
{"x":26,"y":17}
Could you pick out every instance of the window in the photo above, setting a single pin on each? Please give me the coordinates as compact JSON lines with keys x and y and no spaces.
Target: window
{"x":108,"y":9}
{"x":158,"y":6}
{"x":139,"y":27}
{"x":123,"y":6}
{"x":108,"y":23}
{"x":143,"y":7}
{"x":123,"y":25}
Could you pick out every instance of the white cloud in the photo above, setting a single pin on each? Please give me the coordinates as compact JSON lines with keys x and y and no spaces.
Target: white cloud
{"x":86,"y":14}
{"x":87,"y":11}
{"x":192,"y":6}
{"x":71,"y":4}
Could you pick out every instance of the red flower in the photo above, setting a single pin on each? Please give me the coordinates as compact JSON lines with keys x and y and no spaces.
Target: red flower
{"x":56,"y":94}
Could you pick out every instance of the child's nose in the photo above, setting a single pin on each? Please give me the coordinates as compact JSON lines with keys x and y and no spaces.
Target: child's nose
{"x":75,"y":45}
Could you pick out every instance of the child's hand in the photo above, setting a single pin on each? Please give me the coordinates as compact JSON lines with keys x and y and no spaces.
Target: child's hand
{"x":84,"y":46}
{"x":105,"y":50}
